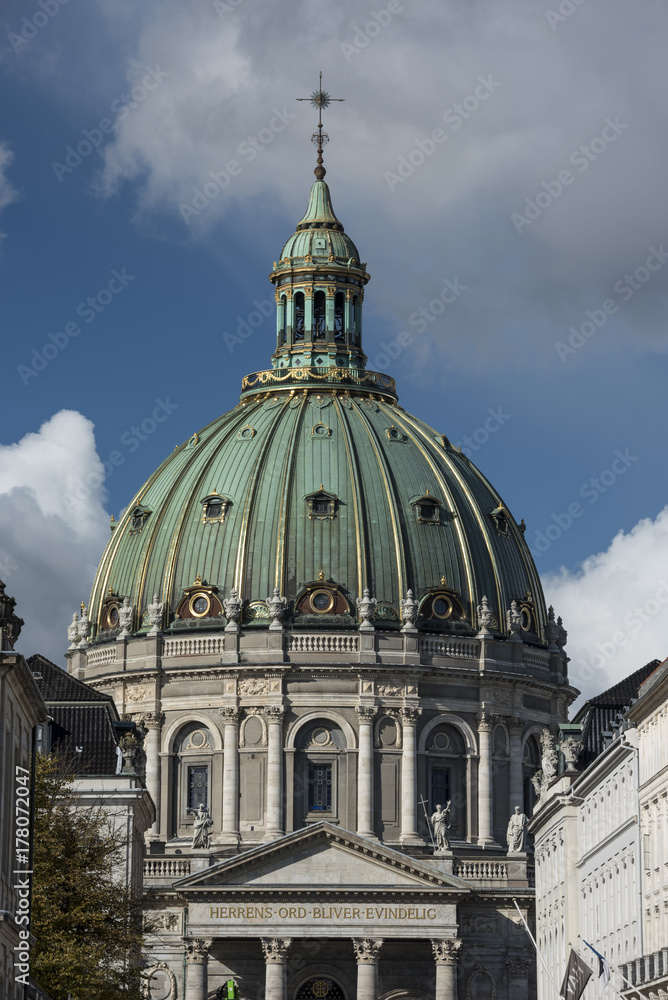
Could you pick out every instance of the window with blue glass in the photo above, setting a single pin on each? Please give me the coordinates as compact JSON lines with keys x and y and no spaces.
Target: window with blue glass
{"x":198,"y":787}
{"x":319,"y":787}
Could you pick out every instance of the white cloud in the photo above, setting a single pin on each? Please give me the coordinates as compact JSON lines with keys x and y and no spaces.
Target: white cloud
{"x":556,"y":90}
{"x":8,"y":192}
{"x":615,"y":606}
{"x":53,"y":527}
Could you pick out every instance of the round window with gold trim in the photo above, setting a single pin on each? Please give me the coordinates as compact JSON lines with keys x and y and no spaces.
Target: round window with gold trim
{"x":200,"y":605}
{"x":112,"y":617}
{"x":442,"y":607}
{"x":527,"y":620}
{"x":322,"y":601}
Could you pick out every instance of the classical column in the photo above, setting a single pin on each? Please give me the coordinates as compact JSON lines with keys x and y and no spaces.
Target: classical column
{"x":275,"y":957}
{"x":274,"y":827}
{"x":230,"y":773}
{"x":197,"y":954}
{"x":516,"y":773}
{"x":367,"y":952}
{"x":365,"y":772}
{"x":445,"y":957}
{"x":409,"y":717}
{"x":152,"y":722}
{"x":485,"y":778}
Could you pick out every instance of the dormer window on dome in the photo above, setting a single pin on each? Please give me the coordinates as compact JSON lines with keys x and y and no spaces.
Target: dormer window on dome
{"x":442,"y":603}
{"x":501,"y":518}
{"x":427,"y":509}
{"x":138,"y":519}
{"x":200,"y":601}
{"x":322,"y":597}
{"x":321,"y":504}
{"x":214,"y":507}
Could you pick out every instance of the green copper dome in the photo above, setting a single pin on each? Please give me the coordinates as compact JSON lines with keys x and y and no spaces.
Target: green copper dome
{"x":319,"y":475}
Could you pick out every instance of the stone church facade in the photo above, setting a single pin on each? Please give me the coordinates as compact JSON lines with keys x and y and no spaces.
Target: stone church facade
{"x":328,"y":624}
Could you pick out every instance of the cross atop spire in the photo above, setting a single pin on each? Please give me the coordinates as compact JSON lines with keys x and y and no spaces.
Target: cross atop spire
{"x":320,"y":99}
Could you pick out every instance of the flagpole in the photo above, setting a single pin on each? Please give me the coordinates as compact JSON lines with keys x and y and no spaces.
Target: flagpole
{"x":617,"y":973}
{"x":533,"y":941}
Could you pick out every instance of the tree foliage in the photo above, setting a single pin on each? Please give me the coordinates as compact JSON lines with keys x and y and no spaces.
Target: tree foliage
{"x":86,"y":922}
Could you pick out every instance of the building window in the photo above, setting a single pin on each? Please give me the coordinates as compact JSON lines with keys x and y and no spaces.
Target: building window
{"x":138,"y":519}
{"x":282,"y":310}
{"x":319,"y":316}
{"x":339,"y":307}
{"x":440,"y":788}
{"x":214,"y":507}
{"x":298,"y":332}
{"x":191,"y":776}
{"x":319,"y":787}
{"x":428,"y":509}
{"x":198,"y":787}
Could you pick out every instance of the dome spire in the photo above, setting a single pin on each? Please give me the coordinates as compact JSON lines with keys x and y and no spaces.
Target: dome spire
{"x":320,"y":99}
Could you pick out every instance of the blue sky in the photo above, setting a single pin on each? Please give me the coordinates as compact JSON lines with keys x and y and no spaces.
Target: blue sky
{"x":518,"y":155}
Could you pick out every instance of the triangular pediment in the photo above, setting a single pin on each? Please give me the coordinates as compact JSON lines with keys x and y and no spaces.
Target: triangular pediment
{"x":321,"y":857}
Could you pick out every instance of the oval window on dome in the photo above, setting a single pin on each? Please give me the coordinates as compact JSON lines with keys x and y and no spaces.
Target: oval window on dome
{"x":199,"y":605}
{"x":112,"y":617}
{"x":442,"y":607}
{"x":322,"y":601}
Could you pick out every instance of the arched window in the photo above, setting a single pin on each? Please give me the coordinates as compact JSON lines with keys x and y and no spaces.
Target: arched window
{"x":320,"y":773}
{"x":339,"y":312}
{"x":298,"y":332}
{"x":357,"y":319}
{"x":282,"y":308}
{"x":445,"y":776}
{"x":319,"y":316}
{"x":193,"y":752}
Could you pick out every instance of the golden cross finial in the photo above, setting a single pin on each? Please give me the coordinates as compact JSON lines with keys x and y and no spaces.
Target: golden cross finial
{"x":320,"y":99}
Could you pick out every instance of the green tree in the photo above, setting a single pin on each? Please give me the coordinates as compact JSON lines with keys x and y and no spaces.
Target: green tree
{"x":87,"y":924}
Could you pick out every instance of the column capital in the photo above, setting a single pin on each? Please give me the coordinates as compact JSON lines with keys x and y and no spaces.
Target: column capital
{"x":445,"y":951}
{"x":230,"y":716}
{"x":518,"y":966}
{"x":367,"y":950}
{"x":275,"y":713}
{"x":197,"y":949}
{"x":409,"y":716}
{"x":366,"y":713}
{"x":485,"y":721}
{"x":275,"y":950}
{"x":517,"y":723}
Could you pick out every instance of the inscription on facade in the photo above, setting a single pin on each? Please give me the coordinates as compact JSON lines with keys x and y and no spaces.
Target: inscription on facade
{"x":337,"y":913}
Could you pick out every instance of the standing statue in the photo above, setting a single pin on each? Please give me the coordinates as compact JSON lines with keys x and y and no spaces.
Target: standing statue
{"x":442,"y":821}
{"x":201,"y":826}
{"x":516,"y":832}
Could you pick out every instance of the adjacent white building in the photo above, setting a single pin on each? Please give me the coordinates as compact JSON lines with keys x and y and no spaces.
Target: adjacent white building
{"x":601,"y":852}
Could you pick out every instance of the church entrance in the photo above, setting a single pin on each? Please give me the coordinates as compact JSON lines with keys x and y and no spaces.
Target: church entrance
{"x":320,"y":988}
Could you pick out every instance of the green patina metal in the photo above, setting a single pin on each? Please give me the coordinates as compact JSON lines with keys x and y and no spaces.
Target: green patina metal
{"x":318,"y":420}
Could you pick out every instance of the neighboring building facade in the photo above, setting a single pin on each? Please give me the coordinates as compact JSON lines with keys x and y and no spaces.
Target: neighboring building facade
{"x":650,"y":714}
{"x":83,"y":725}
{"x":329,"y":624}
{"x":21,"y":709}
{"x":600,"y":840}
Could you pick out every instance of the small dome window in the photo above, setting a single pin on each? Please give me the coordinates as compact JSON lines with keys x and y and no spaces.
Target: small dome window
{"x":501,"y":519}
{"x":321,"y":504}
{"x":138,"y":519}
{"x":199,"y":601}
{"x":427,"y":509}
{"x":214,"y":507}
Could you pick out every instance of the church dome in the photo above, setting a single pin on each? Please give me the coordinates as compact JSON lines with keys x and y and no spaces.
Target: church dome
{"x":318,"y":474}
